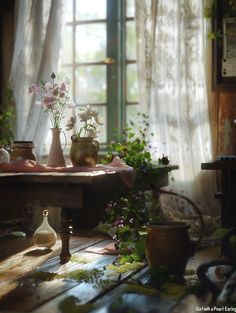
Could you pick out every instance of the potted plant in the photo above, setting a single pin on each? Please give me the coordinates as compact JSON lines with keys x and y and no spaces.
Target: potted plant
{"x":54,"y":99}
{"x":84,"y":149}
{"x":7,"y":114}
{"x":126,"y":216}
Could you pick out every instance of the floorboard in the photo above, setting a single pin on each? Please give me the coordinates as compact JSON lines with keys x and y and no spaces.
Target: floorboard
{"x":20,"y":293}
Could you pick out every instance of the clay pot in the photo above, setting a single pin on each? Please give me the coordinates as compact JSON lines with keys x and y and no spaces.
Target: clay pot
{"x":84,"y":151}
{"x":168,"y":244}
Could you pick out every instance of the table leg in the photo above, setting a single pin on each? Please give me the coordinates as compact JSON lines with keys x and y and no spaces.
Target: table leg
{"x":65,"y":232}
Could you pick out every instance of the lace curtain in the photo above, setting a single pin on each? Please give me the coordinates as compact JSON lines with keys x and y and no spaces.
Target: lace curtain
{"x":171,"y":40}
{"x":36,"y":53}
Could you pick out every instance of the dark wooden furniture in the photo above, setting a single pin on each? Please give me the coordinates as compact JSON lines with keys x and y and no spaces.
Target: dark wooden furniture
{"x":84,"y":192}
{"x":227,"y":196}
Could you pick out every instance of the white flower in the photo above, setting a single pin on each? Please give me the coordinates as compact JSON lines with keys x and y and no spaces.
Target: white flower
{"x":92,"y":133}
{"x":71,"y":104}
{"x":85,"y":113}
{"x":90,"y":117}
{"x":71,"y":123}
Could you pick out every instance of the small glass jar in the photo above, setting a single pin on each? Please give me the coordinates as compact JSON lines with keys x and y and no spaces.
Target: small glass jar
{"x":22,"y":150}
{"x":45,"y":236}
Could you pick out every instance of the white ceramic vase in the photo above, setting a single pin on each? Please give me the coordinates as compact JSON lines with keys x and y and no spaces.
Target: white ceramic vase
{"x":56,"y":157}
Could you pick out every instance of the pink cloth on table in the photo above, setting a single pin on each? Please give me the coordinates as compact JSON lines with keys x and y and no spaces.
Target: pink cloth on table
{"x":109,"y":249}
{"x":126,"y":173}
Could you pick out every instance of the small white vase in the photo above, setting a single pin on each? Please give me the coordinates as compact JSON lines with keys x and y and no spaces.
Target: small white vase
{"x":4,"y":155}
{"x":56,"y":157}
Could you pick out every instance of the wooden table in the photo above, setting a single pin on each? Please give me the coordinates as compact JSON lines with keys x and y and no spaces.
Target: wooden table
{"x":227,"y":195}
{"x":86,"y":192}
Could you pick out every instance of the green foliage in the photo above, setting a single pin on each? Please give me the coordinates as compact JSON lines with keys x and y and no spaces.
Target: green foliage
{"x":141,"y":289}
{"x":79,"y":259}
{"x":86,"y":276}
{"x":215,"y":35}
{"x":128,"y":215}
{"x":70,"y":305}
{"x":80,"y":275}
{"x":123,"y":268}
{"x":7,"y":114}
{"x":134,"y":149}
{"x":44,"y":276}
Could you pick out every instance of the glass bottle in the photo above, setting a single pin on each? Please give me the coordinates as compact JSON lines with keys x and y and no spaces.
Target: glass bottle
{"x":4,"y":155}
{"x":22,"y":150}
{"x":45,"y":236}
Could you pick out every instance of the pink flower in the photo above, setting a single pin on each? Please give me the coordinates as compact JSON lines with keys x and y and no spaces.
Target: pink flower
{"x":55,"y":91}
{"x":54,"y":98}
{"x":34,"y":89}
{"x":63,"y":86}
{"x":49,"y":102}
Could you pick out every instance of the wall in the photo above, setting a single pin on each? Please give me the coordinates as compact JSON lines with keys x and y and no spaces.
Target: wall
{"x":6,"y":42}
{"x":226,"y":137}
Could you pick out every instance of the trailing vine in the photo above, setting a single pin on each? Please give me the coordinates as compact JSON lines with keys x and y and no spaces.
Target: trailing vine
{"x":126,"y":216}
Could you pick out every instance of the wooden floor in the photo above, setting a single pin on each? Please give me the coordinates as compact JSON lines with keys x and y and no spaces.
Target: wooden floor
{"x":19,"y":292}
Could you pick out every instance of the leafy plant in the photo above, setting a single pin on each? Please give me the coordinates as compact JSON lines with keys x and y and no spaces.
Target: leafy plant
{"x":128,"y":215}
{"x":7,"y":114}
{"x":134,"y":149}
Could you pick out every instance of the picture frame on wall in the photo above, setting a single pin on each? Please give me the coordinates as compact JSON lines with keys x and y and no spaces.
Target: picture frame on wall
{"x":224,"y":48}
{"x":228,"y":67}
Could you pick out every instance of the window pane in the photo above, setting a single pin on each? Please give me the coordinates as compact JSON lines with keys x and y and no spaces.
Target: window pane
{"x":91,"y":42}
{"x":132,"y":83}
{"x":130,"y":8}
{"x":67,"y":46}
{"x":90,"y":9}
{"x":69,"y":10}
{"x":91,"y":84}
{"x":131,"y":112}
{"x":131,"y":40}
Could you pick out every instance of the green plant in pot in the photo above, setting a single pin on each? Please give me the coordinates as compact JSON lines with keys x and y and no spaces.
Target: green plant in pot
{"x":134,"y":149}
{"x":126,"y":216}
{"x":7,"y":114}
{"x":84,"y":149}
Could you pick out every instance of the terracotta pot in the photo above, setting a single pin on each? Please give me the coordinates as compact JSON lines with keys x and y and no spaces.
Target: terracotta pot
{"x":168,"y":245}
{"x":84,"y":151}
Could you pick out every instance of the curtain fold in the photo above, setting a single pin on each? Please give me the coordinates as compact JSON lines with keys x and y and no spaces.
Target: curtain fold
{"x":175,"y":95}
{"x":36,"y":55}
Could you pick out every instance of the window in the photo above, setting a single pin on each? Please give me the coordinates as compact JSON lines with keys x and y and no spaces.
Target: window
{"x":99,"y":54}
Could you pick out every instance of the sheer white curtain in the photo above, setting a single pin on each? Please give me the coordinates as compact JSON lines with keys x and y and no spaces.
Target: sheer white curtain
{"x":171,"y":39}
{"x":36,"y":55}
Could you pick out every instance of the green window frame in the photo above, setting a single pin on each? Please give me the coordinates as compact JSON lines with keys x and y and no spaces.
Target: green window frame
{"x":116,"y":63}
